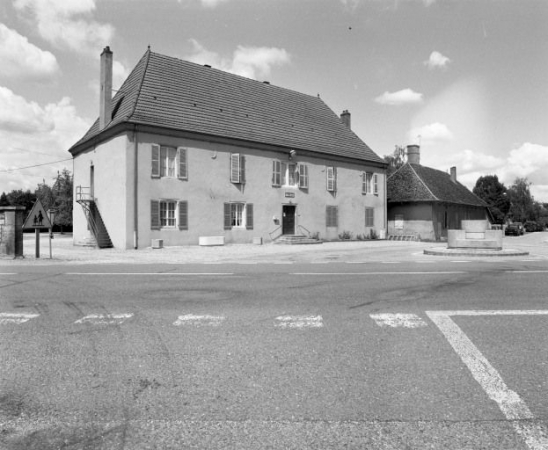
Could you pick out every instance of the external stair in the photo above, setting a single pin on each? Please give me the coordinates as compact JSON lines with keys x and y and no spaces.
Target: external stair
{"x":94,"y":219}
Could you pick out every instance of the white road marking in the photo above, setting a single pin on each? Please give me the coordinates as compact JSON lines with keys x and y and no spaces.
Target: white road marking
{"x":509,"y":402}
{"x":150,"y":273}
{"x":526,"y":271}
{"x":398,"y":320}
{"x":454,"y":272}
{"x":16,"y":317}
{"x":8,"y":274}
{"x":105,"y":319}
{"x":199,"y":320}
{"x":299,"y":322}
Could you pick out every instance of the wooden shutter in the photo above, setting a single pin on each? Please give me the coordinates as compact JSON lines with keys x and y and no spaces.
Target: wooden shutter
{"x":228,"y":221}
{"x":376,"y":184}
{"x":183,"y":215}
{"x":183,"y":167}
{"x":303,"y":176}
{"x":364,"y":183}
{"x":249,"y":216}
{"x":242,"y":169}
{"x":276,"y":173}
{"x":369,"y":217}
{"x":331,"y":216}
{"x":154,"y":215}
{"x":155,"y":161}
{"x":234,"y":167}
{"x":330,"y":179}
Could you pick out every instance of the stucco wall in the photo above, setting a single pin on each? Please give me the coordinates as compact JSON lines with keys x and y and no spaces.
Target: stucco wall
{"x":208,"y":187}
{"x":110,"y":163}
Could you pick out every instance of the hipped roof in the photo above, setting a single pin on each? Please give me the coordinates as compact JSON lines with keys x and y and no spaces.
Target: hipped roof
{"x":416,"y":183}
{"x":170,"y":93}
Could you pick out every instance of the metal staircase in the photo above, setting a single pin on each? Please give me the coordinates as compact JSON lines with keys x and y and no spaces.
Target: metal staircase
{"x":93,"y":216}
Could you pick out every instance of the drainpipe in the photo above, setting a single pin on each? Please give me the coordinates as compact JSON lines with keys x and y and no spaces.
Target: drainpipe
{"x":385,"y":206}
{"x":135,"y":192}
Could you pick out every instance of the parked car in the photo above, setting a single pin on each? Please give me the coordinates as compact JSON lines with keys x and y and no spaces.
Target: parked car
{"x":515,"y":229}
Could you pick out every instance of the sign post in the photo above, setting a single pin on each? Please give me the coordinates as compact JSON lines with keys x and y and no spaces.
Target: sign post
{"x":51,"y":216}
{"x":37,"y":219}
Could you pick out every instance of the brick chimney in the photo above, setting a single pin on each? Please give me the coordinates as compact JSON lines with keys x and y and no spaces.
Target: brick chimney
{"x":345,"y":118}
{"x":414,"y":154}
{"x":105,"y":100}
{"x":454,"y":174}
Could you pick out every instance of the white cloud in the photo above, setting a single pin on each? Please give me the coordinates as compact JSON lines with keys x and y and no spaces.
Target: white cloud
{"x":22,"y":60}
{"x":67,"y":24}
{"x":437,"y":61}
{"x":31,"y":135}
{"x":250,"y":62}
{"x":403,"y":97}
{"x":430,"y":134}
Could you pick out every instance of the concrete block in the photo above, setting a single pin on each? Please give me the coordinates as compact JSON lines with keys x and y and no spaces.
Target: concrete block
{"x":474,"y":226}
{"x":157,"y":243}
{"x":211,"y":240}
{"x":258,"y":240}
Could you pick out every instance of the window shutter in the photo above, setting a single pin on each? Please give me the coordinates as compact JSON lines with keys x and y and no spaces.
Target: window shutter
{"x":242,"y":169}
{"x":183,"y":215}
{"x":249,"y":216}
{"x":234,"y":167}
{"x":376,"y":184}
{"x":303,"y":176}
{"x":369,"y":217}
{"x":276,"y":173}
{"x":183,"y":168}
{"x":154,"y":215}
{"x":330,"y":179}
{"x":227,"y":225}
{"x":155,"y":161}
{"x":364,"y":183}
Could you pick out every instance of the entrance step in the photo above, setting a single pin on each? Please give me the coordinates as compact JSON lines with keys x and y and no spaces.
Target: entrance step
{"x":296,"y":239}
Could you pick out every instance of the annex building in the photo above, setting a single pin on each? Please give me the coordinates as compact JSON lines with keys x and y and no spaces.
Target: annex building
{"x":184,"y":151}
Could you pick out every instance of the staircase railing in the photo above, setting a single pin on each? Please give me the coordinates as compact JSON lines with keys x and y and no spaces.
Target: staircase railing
{"x":85,"y":198}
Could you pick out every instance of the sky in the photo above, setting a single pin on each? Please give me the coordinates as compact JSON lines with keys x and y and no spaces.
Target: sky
{"x":467,"y":80}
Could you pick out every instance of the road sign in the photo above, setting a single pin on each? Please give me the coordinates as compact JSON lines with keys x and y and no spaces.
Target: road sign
{"x":37,"y":217}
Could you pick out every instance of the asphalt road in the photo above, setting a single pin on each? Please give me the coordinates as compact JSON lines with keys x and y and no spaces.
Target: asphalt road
{"x":448,"y":354}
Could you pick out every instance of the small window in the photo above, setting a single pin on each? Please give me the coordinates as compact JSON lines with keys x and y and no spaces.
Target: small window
{"x":369,"y":217}
{"x":289,"y":175}
{"x":331,"y":215}
{"x":331,"y":179}
{"x":238,"y":215}
{"x":367,"y":182}
{"x":168,"y":214}
{"x":303,"y":176}
{"x":169,"y":162}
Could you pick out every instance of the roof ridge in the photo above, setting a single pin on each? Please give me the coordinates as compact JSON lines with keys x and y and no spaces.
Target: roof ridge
{"x":423,"y":182}
{"x":138,"y":93}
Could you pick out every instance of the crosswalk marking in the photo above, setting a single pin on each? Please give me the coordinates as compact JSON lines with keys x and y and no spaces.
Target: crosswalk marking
{"x":299,"y":321}
{"x":105,"y":319}
{"x":398,"y":320}
{"x":199,"y":320}
{"x":17,"y":318}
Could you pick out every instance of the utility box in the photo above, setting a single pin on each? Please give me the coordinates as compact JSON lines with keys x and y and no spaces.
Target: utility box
{"x":11,"y":230}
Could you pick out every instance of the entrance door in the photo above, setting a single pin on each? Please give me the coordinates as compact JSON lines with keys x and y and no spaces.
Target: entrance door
{"x":288,"y":220}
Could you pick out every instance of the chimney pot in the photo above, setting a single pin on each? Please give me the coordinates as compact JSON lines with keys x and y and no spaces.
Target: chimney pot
{"x":105,"y":101}
{"x":345,"y":118}
{"x":454,"y":174}
{"x":414,"y":154}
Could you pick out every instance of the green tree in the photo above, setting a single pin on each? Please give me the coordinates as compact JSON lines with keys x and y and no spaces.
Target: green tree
{"x":22,"y":198}
{"x":62,"y":190}
{"x":44,"y":193}
{"x":4,"y":200}
{"x":495,"y":194}
{"x":522,"y":202}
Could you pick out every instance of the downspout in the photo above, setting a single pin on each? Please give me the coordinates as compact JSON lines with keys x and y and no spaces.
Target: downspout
{"x":385,"y":205}
{"x":135,"y":192}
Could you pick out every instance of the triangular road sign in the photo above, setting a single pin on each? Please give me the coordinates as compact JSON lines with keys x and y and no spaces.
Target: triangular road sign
{"x":37,"y":217}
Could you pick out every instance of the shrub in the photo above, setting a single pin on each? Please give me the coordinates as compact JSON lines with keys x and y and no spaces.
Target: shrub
{"x":345,"y":235}
{"x":373,"y":234}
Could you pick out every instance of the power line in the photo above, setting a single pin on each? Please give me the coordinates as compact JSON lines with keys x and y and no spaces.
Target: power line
{"x":36,"y":165}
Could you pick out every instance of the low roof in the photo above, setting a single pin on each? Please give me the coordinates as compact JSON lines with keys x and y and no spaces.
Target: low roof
{"x":171,"y":93}
{"x":416,"y":183}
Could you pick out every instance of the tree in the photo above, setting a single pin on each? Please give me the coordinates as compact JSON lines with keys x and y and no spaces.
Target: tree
{"x":4,"y":200}
{"x":395,"y":160}
{"x":495,"y":194}
{"x":62,"y":190}
{"x":522,"y":202}
{"x":22,"y":198}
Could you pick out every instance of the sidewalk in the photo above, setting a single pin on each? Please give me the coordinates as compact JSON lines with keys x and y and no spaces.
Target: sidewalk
{"x":64,"y":252}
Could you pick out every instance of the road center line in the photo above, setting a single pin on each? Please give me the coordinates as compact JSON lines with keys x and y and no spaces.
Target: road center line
{"x":509,"y":402}
{"x":104,"y":319}
{"x":455,"y":272}
{"x":16,"y":317}
{"x":199,"y":320}
{"x":151,"y":273}
{"x":299,"y":322}
{"x":398,"y":320}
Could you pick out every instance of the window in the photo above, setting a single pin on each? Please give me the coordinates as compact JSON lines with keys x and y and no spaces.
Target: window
{"x":168,"y":214}
{"x":369,"y":217}
{"x":331,"y":179}
{"x":366,"y":182}
{"x":238,"y":215}
{"x":303,"y":176}
{"x":237,"y":168}
{"x":169,"y":162}
{"x":289,"y":174}
{"x":331,"y":215}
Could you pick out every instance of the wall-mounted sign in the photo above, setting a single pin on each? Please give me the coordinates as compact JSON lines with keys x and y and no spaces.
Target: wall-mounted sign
{"x":290,"y":194}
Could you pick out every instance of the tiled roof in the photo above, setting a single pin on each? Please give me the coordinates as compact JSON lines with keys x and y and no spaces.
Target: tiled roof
{"x":171,"y":93}
{"x":416,"y":183}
